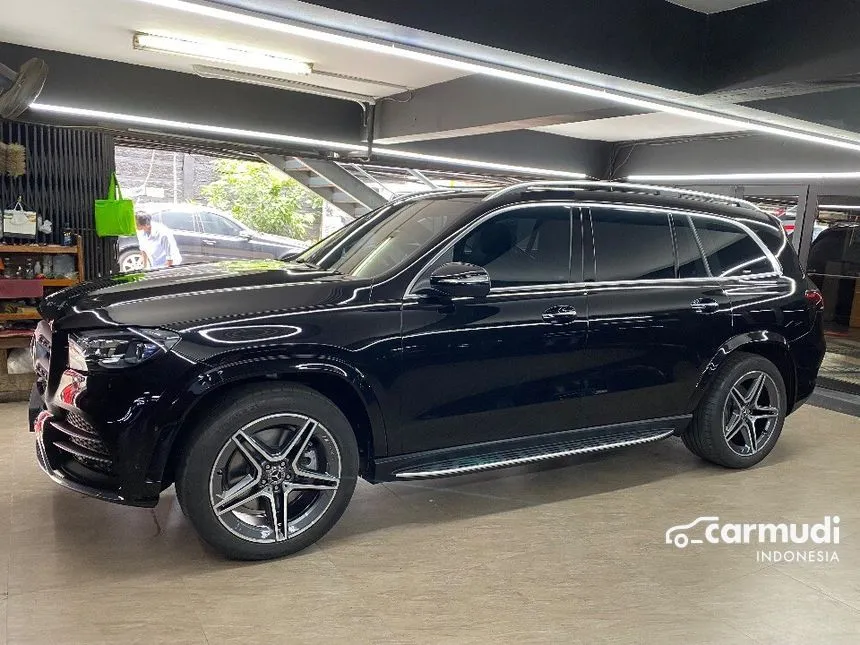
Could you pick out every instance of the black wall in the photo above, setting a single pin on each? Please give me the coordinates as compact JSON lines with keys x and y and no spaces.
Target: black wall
{"x":67,"y":170}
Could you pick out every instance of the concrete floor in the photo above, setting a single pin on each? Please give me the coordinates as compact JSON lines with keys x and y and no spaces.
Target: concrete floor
{"x":564,"y":552}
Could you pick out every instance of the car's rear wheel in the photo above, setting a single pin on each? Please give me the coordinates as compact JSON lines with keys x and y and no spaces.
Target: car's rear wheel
{"x":268,"y":472}
{"x":739,"y":420}
{"x":131,"y":260}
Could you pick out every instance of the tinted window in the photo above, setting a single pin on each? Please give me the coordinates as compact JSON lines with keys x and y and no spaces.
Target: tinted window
{"x":177,"y":221}
{"x":729,"y":250}
{"x":836,"y":252}
{"x":217,"y":225}
{"x":690,"y":262}
{"x":386,"y":238}
{"x":521,"y":247}
{"x":632,"y":245}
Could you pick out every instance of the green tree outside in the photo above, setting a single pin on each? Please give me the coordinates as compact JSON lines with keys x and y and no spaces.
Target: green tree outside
{"x":264,"y":198}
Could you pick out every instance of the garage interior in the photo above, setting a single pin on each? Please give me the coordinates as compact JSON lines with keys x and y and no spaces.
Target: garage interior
{"x":720,"y":96}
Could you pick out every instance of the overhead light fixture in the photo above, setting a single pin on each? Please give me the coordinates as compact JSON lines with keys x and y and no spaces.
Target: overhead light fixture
{"x":841,"y":207}
{"x":184,"y":126}
{"x":237,"y":76}
{"x":249,"y":19}
{"x":745,"y":177}
{"x":213,"y":50}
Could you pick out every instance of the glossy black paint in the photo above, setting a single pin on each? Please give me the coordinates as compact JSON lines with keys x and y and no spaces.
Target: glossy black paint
{"x":419,"y":370}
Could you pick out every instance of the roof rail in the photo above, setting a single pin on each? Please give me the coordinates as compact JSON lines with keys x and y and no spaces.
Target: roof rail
{"x":576,"y":184}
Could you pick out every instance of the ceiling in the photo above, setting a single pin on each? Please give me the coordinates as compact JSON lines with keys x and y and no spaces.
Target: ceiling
{"x":87,"y":28}
{"x":713,"y":6}
{"x":636,"y":127}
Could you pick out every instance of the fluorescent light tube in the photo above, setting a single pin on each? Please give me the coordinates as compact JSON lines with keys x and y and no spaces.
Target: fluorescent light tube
{"x":745,"y":177}
{"x":323,"y":144}
{"x":212,"y":50}
{"x":394,"y":49}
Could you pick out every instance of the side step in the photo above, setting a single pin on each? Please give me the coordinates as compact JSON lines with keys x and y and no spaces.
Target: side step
{"x":468,"y":459}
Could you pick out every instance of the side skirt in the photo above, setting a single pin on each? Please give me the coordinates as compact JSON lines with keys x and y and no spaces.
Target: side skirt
{"x":513,"y":452}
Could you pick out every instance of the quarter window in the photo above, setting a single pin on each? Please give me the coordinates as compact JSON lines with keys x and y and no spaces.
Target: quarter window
{"x":729,"y":250}
{"x":632,"y":245}
{"x":526,"y":246}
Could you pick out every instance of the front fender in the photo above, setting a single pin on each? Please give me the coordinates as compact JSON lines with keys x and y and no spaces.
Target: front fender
{"x":249,"y":367}
{"x":751,"y":339}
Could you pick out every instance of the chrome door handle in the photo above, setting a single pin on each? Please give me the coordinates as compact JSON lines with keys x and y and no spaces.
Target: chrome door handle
{"x":704,"y":305}
{"x":210,"y":242}
{"x":559,"y":315}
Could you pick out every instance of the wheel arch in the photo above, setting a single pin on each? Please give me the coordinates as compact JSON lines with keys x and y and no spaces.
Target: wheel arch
{"x":341,"y":384}
{"x":770,"y":345}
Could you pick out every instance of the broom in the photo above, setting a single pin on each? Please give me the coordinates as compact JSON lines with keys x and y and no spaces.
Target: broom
{"x":16,"y":160}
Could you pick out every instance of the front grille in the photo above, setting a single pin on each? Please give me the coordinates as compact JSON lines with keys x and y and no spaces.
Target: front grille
{"x":82,"y":442}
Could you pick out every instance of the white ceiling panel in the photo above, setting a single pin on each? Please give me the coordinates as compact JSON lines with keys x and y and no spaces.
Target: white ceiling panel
{"x":638,"y":127}
{"x":104,"y":30}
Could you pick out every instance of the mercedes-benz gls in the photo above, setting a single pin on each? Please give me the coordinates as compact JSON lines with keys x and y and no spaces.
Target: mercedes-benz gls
{"x":441,"y":334}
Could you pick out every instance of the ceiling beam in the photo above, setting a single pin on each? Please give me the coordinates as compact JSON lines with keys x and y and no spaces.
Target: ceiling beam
{"x":481,"y":105}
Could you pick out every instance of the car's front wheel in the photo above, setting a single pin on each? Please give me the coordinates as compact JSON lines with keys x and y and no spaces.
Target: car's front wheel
{"x":739,"y":420}
{"x":268,"y":472}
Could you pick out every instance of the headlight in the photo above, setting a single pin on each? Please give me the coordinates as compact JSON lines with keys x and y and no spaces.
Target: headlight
{"x":109,"y":349}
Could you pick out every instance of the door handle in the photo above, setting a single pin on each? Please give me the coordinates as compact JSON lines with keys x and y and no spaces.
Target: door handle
{"x":559,"y":315}
{"x":705,"y":305}
{"x":209,"y":242}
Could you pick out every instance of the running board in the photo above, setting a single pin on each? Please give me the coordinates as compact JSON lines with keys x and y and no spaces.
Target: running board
{"x":469,"y":459}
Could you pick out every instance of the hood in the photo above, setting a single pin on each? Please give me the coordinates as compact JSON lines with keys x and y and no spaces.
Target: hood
{"x":173,"y":297}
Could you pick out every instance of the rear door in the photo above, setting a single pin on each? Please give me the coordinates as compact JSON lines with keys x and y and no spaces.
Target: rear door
{"x":186,"y":230}
{"x":222,"y":239}
{"x":656,"y":316}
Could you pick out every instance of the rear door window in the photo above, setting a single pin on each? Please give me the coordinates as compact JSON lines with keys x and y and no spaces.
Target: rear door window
{"x":178,"y":221}
{"x":632,"y":244}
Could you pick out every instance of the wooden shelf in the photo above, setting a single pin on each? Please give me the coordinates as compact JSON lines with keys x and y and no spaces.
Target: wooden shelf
{"x":37,"y":249}
{"x":58,"y":282}
{"x":19,"y":316}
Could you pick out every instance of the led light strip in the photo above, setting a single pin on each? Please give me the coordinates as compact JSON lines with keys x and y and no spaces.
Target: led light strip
{"x":391,"y":49}
{"x":746,"y":177}
{"x":100,"y":115}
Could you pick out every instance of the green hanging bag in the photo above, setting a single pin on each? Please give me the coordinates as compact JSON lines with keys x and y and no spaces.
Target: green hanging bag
{"x":114,"y":215}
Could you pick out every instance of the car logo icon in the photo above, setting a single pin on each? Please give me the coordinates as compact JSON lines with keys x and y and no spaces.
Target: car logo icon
{"x":677,"y":534}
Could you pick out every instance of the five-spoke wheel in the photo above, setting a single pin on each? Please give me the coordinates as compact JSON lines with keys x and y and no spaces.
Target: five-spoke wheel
{"x":740,"y":417}
{"x":269,"y":471}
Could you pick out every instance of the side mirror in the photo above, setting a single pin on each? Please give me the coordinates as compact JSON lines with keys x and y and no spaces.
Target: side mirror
{"x":246,"y":234}
{"x":290,"y":255}
{"x":461,"y":279}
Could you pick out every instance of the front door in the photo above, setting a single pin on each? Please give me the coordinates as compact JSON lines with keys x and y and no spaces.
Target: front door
{"x":656,"y":316}
{"x":222,"y":239}
{"x":507,"y":365}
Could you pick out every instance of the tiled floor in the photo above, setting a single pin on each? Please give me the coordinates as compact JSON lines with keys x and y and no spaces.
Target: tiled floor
{"x":563,"y":552}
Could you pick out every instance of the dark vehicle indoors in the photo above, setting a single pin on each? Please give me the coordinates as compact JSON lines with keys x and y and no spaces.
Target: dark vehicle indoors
{"x":441,"y":334}
{"x":206,"y":235}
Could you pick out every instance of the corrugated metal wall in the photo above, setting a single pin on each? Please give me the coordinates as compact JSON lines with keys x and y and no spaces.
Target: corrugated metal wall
{"x":67,"y":170}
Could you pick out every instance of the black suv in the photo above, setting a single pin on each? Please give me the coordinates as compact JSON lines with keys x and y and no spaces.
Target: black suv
{"x":441,"y":334}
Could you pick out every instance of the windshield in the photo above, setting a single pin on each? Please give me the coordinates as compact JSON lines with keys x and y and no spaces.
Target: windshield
{"x":386,"y":239}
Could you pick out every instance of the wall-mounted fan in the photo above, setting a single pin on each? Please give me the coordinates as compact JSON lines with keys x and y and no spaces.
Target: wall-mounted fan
{"x":18,"y":90}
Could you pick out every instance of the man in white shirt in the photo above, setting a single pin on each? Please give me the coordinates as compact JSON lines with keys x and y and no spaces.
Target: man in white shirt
{"x":157,"y":243}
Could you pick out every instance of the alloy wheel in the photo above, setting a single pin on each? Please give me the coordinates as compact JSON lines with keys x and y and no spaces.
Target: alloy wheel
{"x":275,"y":478}
{"x":751,"y":413}
{"x":131,"y":262}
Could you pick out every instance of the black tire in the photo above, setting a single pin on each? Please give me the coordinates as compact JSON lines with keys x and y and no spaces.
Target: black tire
{"x":238,"y":409}
{"x":706,"y":435}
